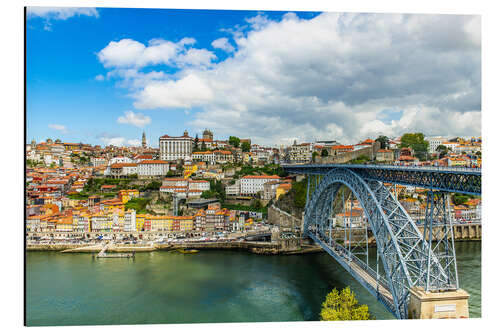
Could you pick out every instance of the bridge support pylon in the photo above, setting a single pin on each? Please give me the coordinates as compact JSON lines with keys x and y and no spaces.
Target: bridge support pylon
{"x":438,"y":305}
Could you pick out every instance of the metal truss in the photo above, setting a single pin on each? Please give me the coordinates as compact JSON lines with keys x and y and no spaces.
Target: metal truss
{"x":438,"y":231}
{"x":401,"y":247}
{"x":460,"y":180}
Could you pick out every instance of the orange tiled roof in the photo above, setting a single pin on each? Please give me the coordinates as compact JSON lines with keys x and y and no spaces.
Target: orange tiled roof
{"x":122,"y":165}
{"x":153,"y":162}
{"x":262,"y":177}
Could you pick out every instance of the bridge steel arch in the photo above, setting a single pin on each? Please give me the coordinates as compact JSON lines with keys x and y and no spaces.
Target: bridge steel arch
{"x":402,"y":248}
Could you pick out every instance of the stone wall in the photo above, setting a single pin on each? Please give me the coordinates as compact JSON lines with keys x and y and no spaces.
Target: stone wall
{"x":282,"y":219}
{"x":371,"y":152}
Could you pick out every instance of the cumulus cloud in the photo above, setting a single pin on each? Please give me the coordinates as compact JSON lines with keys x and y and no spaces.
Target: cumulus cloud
{"x":60,"y":128}
{"x":134,"y":142}
{"x":113,"y":141}
{"x":100,"y":77}
{"x":335,"y":76}
{"x":136,"y":119}
{"x":130,"y":53}
{"x":60,"y":13}
{"x":184,"y":93}
{"x":116,"y":140}
{"x":223,"y":44}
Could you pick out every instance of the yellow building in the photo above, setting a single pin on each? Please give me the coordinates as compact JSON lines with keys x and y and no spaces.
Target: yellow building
{"x":139,"y":221}
{"x":115,"y":206}
{"x":158,"y":223}
{"x":65,"y":223}
{"x":189,"y":169}
{"x":185,"y":223}
{"x":282,"y":189}
{"x":126,"y":195}
{"x":458,"y":161}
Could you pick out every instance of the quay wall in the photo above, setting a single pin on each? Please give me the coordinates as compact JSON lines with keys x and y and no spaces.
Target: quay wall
{"x":270,"y":248}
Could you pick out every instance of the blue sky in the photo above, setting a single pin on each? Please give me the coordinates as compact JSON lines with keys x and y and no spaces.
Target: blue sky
{"x":62,"y":64}
{"x":104,"y":75}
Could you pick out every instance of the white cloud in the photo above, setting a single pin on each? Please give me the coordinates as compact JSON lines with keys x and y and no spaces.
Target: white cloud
{"x":223,"y":44}
{"x":330,"y":77}
{"x":60,"y":13}
{"x":115,"y":141}
{"x":60,"y":128}
{"x":134,"y":142}
{"x":118,"y":141}
{"x":196,"y":57}
{"x":184,"y":93}
{"x":136,"y":119}
{"x":128,"y":53}
{"x":100,"y":77}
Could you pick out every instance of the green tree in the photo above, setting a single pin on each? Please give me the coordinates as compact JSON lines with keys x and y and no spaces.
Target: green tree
{"x":442,"y":150}
{"x":314,"y":155}
{"x":196,"y":141}
{"x":245,"y":146}
{"x":324,"y":152}
{"x":256,"y":204}
{"x":208,"y":194}
{"x":299,"y":193}
{"x":234,"y":141}
{"x":384,"y":141}
{"x":203,"y":146}
{"x":361,"y":159}
{"x":343,"y":306}
{"x":416,"y":142}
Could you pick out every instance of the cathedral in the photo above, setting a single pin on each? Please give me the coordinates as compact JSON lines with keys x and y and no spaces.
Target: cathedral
{"x":208,"y":135}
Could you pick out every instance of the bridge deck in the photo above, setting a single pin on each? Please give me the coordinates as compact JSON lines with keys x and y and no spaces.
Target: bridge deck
{"x":363,"y":274}
{"x":383,"y":291}
{"x":448,"y":179}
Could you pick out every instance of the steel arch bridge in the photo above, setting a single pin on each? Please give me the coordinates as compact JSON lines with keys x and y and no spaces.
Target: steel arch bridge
{"x":406,"y":256}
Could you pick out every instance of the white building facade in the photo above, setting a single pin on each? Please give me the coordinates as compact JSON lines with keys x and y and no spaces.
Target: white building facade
{"x":254,"y":184}
{"x":435,"y":142}
{"x":173,"y":148}
{"x":152,"y":168}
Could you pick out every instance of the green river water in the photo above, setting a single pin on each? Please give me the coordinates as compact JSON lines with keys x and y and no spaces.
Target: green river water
{"x":207,"y":287}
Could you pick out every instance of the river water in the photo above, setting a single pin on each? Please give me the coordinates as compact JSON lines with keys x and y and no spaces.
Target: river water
{"x":211,"y":286}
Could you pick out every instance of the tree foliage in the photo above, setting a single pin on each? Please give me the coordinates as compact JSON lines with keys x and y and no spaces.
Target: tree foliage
{"x":256,"y":204}
{"x":234,"y":141}
{"x":314,"y":155}
{"x":245,"y":146}
{"x":442,"y":150}
{"x":324,"y":152}
{"x":461,"y":198}
{"x":299,"y":193}
{"x":384,"y":141}
{"x":196,"y":141}
{"x":343,"y":306}
{"x":138,"y":204}
{"x":416,"y":142}
{"x":268,"y":169}
{"x":360,"y":159}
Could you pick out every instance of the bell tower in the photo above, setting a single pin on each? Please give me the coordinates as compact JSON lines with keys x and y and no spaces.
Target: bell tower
{"x":144,"y":139}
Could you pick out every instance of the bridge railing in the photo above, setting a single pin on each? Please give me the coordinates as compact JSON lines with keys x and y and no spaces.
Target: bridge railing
{"x":391,"y":166}
{"x":342,"y":252}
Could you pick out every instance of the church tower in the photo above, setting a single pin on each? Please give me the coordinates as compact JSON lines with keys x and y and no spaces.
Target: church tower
{"x":144,"y":139}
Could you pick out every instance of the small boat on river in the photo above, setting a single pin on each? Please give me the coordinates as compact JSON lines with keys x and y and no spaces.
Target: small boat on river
{"x":185,"y":251}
